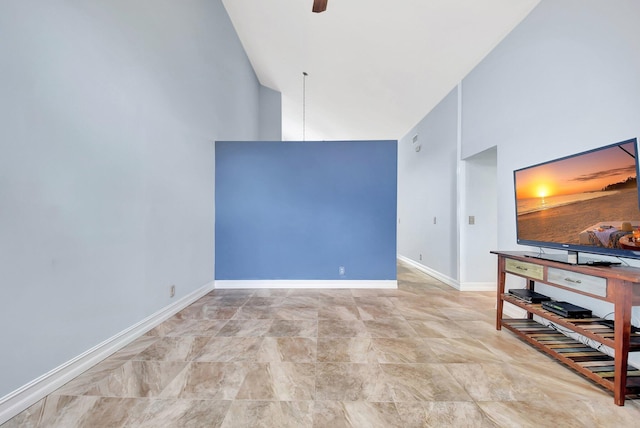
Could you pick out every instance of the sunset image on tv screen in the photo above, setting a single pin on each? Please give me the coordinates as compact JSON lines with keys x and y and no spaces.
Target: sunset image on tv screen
{"x":589,"y":199}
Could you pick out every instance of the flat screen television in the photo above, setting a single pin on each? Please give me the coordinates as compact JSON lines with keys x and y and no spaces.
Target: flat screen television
{"x":587,"y":202}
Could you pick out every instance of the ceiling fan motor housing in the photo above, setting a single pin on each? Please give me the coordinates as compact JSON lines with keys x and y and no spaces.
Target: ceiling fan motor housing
{"x":319,"y":5}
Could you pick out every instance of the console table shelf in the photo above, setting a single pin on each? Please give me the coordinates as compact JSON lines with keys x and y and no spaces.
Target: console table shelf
{"x":590,"y":362}
{"x":588,"y":327}
{"x":619,"y":285}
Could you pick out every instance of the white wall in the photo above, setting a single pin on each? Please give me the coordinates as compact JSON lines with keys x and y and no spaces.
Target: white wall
{"x":108,"y":114}
{"x":565,"y":80}
{"x":435,"y":182}
{"x":479,"y":199}
{"x":427,"y":189}
{"x":270,"y":115}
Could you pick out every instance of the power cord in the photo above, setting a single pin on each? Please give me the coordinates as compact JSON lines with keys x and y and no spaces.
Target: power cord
{"x":624,"y":262}
{"x":582,"y":339}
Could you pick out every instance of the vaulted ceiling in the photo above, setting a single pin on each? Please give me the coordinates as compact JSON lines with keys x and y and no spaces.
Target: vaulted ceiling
{"x":374,"y":67}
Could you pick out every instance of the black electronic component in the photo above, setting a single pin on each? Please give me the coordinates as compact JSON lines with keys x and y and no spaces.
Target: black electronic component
{"x":528,"y":295}
{"x":566,"y":309}
{"x":611,"y":324}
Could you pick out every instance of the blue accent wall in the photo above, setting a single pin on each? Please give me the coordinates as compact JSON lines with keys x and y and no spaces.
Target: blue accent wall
{"x":300,"y":210}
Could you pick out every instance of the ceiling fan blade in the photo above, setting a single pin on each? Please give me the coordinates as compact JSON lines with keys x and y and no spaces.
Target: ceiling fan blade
{"x":319,"y":5}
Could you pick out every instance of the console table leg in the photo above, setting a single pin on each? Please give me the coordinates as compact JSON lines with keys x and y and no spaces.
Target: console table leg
{"x":622,"y":316}
{"x":531,"y":285}
{"x":501,"y":282}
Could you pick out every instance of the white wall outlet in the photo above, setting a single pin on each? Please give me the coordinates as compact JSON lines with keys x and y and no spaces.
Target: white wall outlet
{"x":420,"y":256}
{"x":172,"y":291}
{"x":434,"y":220}
{"x":472,"y":219}
{"x":341,"y":271}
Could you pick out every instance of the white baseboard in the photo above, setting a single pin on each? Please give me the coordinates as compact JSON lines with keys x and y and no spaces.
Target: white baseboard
{"x":478,"y":286}
{"x":437,"y":275}
{"x":460,"y":286}
{"x":512,"y":311}
{"x":307,"y":284}
{"x":29,"y":394}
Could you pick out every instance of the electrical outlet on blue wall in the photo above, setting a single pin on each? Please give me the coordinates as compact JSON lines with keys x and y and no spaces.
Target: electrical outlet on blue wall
{"x":341,"y":271}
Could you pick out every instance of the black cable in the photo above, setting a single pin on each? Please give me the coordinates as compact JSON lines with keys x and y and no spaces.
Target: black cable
{"x":582,"y":339}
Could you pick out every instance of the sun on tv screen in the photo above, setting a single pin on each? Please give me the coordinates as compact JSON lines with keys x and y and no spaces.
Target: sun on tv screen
{"x":587,"y":202}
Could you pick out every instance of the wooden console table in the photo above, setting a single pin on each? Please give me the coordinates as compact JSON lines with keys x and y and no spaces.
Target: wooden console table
{"x":619,"y":285}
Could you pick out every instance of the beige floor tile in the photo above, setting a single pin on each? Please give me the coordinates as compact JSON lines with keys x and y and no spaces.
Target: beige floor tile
{"x":87,"y":380}
{"x":443,"y":414}
{"x":338,"y":312}
{"x":548,"y":413}
{"x":225,"y":300}
{"x":287,"y":312}
{"x":67,"y":411}
{"x":438,"y":329}
{"x":256,"y":313}
{"x":268,"y":414}
{"x":291,"y":328}
{"x":245,"y":328}
{"x":355,"y":414}
{"x":266,"y":301}
{"x":135,"y":347}
{"x":208,"y":380}
{"x":279,"y":381}
{"x":218,"y":311}
{"x":181,"y":413}
{"x":371,"y":308}
{"x":341,"y":328}
{"x":351,"y":382}
{"x":195,"y":327}
{"x":390,"y":327}
{"x":559,"y":382}
{"x":422,"y":355}
{"x":403,"y":350}
{"x":288,"y":349}
{"x":272,"y":292}
{"x":28,"y":418}
{"x":460,"y":351}
{"x":137,"y":379}
{"x":422,"y":382}
{"x":226,"y":349}
{"x":496,"y":382}
{"x":346,"y":350}
{"x":172,"y":348}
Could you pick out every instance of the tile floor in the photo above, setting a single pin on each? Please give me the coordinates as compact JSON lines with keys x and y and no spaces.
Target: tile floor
{"x":423,"y":355}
